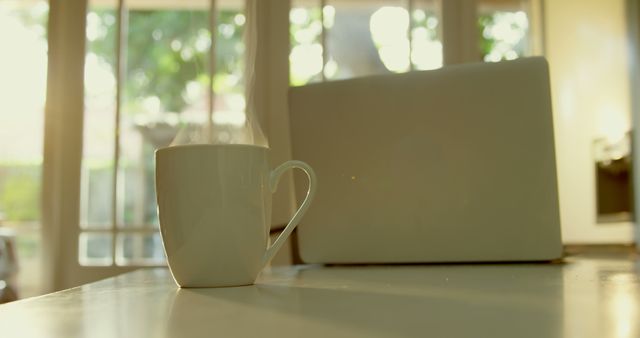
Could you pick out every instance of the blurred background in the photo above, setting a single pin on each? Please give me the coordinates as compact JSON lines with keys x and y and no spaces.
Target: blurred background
{"x":77,"y":199}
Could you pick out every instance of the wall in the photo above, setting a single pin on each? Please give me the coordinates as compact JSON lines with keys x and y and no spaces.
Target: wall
{"x":587,"y":51}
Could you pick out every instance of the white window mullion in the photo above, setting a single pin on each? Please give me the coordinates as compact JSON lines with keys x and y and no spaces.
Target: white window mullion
{"x":212,"y":70}
{"x":121,"y":50}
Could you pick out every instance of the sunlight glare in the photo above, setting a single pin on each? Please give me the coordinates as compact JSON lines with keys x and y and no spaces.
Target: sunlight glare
{"x":98,"y":77}
{"x":330,"y":68}
{"x":299,"y":16}
{"x":306,"y":60}
{"x":22,"y":88}
{"x":426,"y":54}
{"x":389,"y":27}
{"x":239,"y":19}
{"x":508,"y":30}
{"x":329,"y":14}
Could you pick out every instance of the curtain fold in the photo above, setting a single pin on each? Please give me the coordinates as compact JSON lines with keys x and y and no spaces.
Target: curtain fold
{"x":267,"y":42}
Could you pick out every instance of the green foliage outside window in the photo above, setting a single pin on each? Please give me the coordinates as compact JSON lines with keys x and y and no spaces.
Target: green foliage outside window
{"x":503,"y":35}
{"x":169,"y":49}
{"x":20,"y":194}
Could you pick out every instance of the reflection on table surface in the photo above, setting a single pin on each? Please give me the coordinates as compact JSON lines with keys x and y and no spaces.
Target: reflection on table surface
{"x":580,"y":297}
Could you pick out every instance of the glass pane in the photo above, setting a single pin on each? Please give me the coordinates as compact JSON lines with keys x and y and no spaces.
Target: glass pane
{"x":365,"y":38}
{"x":426,"y":35}
{"x":166,"y":86}
{"x":23,"y":78}
{"x":95,"y":248}
{"x":28,"y":245}
{"x":305,"y":29}
{"x":139,"y":249}
{"x":504,"y":30}
{"x":99,"y":116}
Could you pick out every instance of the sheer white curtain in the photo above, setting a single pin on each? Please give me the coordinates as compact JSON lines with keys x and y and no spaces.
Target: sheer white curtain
{"x":267,"y":86}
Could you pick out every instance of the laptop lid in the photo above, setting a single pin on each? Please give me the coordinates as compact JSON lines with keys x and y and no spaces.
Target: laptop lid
{"x":450,"y":165}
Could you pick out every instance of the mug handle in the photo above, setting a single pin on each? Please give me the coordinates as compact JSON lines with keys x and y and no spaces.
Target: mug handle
{"x":274,"y":178}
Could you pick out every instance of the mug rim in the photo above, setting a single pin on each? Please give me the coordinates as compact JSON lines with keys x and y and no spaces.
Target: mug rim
{"x":205,"y":145}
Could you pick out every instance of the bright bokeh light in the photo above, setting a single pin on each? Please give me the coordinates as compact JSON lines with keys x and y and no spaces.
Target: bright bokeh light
{"x":328,"y":16}
{"x":508,"y":32}
{"x":426,"y":47}
{"x":203,"y":41}
{"x":299,"y":16}
{"x":95,"y":28}
{"x":427,"y":54}
{"x":395,"y":46}
{"x":610,"y":123}
{"x":310,"y":34}
{"x":239,"y":19}
{"x":306,"y":60}
{"x":389,"y":27}
{"x":331,"y":68}
{"x":306,"y":55}
{"x":388,"y":24}
{"x":99,"y":79}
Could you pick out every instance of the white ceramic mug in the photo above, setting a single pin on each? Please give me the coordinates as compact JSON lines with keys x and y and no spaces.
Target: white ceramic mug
{"x":214,"y":205}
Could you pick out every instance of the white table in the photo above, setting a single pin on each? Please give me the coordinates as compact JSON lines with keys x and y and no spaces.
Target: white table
{"x":583,"y":297}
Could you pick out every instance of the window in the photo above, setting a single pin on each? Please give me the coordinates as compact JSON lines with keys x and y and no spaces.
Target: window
{"x":141,"y":88}
{"x":426,"y":35}
{"x":339,"y":39}
{"x":23,"y":69}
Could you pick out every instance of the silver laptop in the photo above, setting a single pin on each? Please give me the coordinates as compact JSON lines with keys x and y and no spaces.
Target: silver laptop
{"x":450,"y":165}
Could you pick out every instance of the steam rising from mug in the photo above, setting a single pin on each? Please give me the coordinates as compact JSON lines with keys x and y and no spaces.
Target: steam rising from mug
{"x":232,"y":127}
